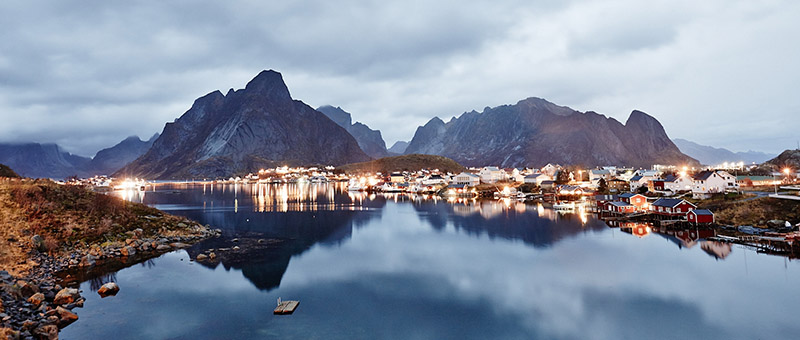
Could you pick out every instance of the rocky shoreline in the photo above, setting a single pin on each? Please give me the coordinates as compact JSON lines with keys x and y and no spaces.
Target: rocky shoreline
{"x":39,"y":303}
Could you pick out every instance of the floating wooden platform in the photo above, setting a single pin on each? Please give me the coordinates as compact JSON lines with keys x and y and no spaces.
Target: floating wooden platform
{"x":286,"y":307}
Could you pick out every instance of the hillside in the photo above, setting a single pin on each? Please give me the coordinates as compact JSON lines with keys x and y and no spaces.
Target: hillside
{"x":67,"y":217}
{"x":405,"y":163}
{"x":6,"y":171}
{"x":535,"y":132}
{"x":787,"y":159}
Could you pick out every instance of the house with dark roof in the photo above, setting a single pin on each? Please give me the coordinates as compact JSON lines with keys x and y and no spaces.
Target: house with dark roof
{"x":672,"y":207}
{"x":709,"y":182}
{"x":619,"y":207}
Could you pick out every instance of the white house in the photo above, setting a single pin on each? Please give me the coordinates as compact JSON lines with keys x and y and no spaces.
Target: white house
{"x":680,"y":183}
{"x":492,"y":174}
{"x":467,"y":178}
{"x":515,"y":175}
{"x":537,"y":179}
{"x":639,"y":181}
{"x":597,"y":174}
{"x":551,"y":170}
{"x":713,"y":181}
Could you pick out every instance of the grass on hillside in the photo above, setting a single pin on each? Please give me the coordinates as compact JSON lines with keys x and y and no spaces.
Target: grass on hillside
{"x":66,"y":216}
{"x":757,"y":212}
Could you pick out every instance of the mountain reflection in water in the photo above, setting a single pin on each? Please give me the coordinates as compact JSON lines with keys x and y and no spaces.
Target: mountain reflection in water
{"x":291,"y":218}
{"x":411,"y":267}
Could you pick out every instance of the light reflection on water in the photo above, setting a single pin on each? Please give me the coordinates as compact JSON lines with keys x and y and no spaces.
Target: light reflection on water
{"x":396,"y":266}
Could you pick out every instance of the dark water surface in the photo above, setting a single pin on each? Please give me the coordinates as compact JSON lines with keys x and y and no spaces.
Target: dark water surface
{"x":397,"y":267}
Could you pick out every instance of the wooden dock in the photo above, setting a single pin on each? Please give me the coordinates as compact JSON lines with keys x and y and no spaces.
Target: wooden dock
{"x":286,"y":307}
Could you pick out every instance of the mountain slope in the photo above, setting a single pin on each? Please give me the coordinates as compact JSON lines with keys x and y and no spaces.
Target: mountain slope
{"x":535,"y":132}
{"x":713,"y":156}
{"x":241,"y":131}
{"x":399,"y":147}
{"x":109,"y":160}
{"x":43,"y":161}
{"x":370,"y":141}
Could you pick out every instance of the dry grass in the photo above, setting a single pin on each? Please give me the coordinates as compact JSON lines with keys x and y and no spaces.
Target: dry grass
{"x":65,"y":217}
{"x":757,"y":212}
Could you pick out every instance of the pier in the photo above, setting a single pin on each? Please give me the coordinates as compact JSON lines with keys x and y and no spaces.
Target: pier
{"x":286,"y":307}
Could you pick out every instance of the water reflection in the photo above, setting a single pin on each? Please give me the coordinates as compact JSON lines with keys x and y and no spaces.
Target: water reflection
{"x":399,"y":266}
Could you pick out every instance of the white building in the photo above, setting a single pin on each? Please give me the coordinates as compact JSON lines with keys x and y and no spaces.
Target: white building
{"x":492,"y":174}
{"x":713,"y":182}
{"x":467,"y":178}
{"x":515,"y":175}
{"x":537,"y":179}
{"x":551,"y":170}
{"x":597,"y":174}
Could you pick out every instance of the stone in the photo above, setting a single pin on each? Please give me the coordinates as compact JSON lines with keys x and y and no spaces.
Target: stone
{"x":80,"y":302}
{"x":212,"y":255}
{"x":88,"y":261}
{"x":26,"y":288}
{"x":163,"y":247}
{"x":8,"y":333}
{"x":108,"y":289}
{"x":49,"y":332}
{"x":36,"y":299}
{"x":127,"y":251}
{"x":235,"y":240}
{"x":38,"y":243}
{"x":236,"y":248}
{"x":4,"y":275}
{"x":179,"y":245}
{"x":65,"y":296}
{"x":65,"y":316}
{"x":201,"y":257}
{"x":28,"y":324}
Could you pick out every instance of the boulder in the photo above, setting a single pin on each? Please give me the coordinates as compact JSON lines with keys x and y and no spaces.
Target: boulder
{"x":36,"y":299}
{"x":8,"y":333}
{"x":179,"y":245}
{"x":66,"y":295}
{"x":38,"y":243}
{"x":127,"y":251}
{"x":212,"y":255}
{"x":26,"y":288}
{"x":108,"y":289}
{"x":49,"y":332}
{"x":163,"y":247}
{"x":88,"y":261}
{"x":65,"y":317}
{"x":201,"y":257}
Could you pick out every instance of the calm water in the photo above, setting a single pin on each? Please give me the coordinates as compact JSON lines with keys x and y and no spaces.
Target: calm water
{"x":394,"y":267}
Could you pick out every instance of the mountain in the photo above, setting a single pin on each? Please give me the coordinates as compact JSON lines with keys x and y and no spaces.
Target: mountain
{"x":370,"y":141}
{"x":399,"y":147}
{"x":43,"y":161}
{"x":242,"y":131}
{"x":412,"y":162}
{"x":535,"y":132}
{"x":109,"y":160}
{"x":713,"y":156}
{"x":788,"y":159}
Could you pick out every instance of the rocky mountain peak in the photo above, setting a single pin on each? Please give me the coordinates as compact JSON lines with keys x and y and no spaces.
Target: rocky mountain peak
{"x":269,"y":83}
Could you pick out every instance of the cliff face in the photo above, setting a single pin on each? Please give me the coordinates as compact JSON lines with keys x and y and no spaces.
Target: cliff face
{"x":370,"y":141}
{"x":242,"y":131}
{"x":535,"y":132}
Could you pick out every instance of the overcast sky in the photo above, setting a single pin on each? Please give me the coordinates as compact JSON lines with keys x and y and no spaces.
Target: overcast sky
{"x":87,"y":74}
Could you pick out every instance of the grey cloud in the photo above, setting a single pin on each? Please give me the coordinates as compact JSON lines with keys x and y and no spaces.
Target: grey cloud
{"x":395,"y":65}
